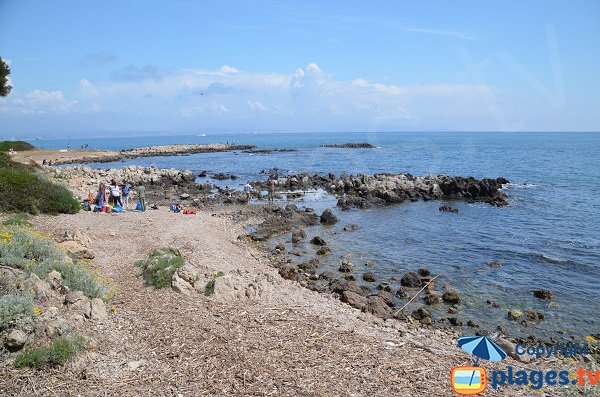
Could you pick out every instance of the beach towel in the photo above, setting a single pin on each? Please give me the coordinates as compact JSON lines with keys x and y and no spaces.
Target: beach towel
{"x":189,"y":212}
{"x":117,"y":208}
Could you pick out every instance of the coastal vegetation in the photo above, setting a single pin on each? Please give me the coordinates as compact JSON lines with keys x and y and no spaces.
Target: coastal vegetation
{"x":37,"y":277}
{"x":58,"y":353}
{"x":23,"y":188}
{"x":17,"y":146}
{"x":160,"y":266}
{"x":4,"y":72}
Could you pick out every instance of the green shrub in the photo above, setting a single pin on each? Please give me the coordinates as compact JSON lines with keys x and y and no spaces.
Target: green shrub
{"x":210,"y":286}
{"x":18,"y":146}
{"x":15,"y":309}
{"x":17,"y":220}
{"x":160,"y":266}
{"x":30,"y":252}
{"x":24,"y":189}
{"x":58,"y":353}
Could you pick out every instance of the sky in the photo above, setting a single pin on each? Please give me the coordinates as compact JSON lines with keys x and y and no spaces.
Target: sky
{"x":184,"y":66}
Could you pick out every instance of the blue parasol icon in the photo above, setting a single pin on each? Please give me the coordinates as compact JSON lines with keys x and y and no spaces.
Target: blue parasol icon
{"x":482,"y":348}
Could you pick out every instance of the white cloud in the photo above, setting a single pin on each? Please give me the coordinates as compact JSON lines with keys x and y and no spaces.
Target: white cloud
{"x":307,"y":99}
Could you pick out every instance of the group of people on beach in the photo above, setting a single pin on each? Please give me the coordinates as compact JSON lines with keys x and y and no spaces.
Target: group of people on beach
{"x":116,"y":197}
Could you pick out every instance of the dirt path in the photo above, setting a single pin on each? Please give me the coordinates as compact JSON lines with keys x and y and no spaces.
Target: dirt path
{"x":289,"y":342}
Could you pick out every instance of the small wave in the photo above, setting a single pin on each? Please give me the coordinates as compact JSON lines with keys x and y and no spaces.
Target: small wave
{"x":524,"y":185}
{"x":551,"y":259}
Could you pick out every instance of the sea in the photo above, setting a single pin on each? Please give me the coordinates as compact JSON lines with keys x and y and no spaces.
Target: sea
{"x":548,"y":237}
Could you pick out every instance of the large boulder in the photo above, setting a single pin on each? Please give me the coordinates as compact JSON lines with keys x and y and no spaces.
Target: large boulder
{"x":289,"y":271}
{"x":318,"y":241}
{"x":411,"y":280}
{"x":328,"y":217}
{"x":40,"y":288}
{"x":98,"y":310}
{"x":15,"y":339}
{"x":77,"y":301}
{"x":355,"y":300}
{"x":451,"y":296}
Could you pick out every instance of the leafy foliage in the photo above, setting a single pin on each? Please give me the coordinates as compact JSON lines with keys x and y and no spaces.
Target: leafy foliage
{"x":160,"y":266}
{"x":18,"y":146}
{"x":4,"y":72}
{"x":24,"y":189}
{"x":15,"y":309}
{"x":58,"y":353}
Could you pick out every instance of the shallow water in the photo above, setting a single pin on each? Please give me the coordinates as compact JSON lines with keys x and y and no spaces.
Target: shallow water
{"x":548,"y":237}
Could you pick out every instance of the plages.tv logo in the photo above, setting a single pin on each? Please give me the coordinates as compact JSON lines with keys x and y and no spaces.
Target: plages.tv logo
{"x":472,"y":380}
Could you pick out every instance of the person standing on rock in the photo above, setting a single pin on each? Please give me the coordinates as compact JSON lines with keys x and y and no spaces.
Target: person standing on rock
{"x":126,"y":190}
{"x":248,"y":190}
{"x":141,"y":192}
{"x":271,"y":188}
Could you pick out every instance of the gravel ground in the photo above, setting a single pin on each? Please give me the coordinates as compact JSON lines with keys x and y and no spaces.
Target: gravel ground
{"x":288,"y":342}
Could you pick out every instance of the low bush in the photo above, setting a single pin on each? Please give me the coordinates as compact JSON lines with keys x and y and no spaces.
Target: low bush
{"x":15,"y":310}
{"x":26,"y":250}
{"x":25,"y":189}
{"x":18,"y":146}
{"x":160,"y":266}
{"x":58,"y":353}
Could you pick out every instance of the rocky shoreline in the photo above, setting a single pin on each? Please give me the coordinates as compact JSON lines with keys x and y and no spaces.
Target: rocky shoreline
{"x":91,"y":156}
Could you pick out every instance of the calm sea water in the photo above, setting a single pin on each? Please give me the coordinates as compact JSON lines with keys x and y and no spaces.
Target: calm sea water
{"x":548,"y":237}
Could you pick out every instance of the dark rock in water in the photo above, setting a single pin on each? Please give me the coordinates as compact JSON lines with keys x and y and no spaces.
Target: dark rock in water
{"x":543,"y":294}
{"x":369,"y":277}
{"x":289,"y":271}
{"x":309,"y":210}
{"x":378,"y":307}
{"x":350,"y":277}
{"x":318,"y":241}
{"x":298,"y":236}
{"x":327,"y":275}
{"x":328,"y":217}
{"x":202,"y":174}
{"x":451,"y":296}
{"x":311,"y":266}
{"x":411,"y":280}
{"x":221,"y":176}
{"x":291,"y":207}
{"x":492,"y":304}
{"x":354,"y":300}
{"x":401,"y":293}
{"x":339,"y":286}
{"x":432,"y":299}
{"x":318,"y":285}
{"x":424,"y":272}
{"x":455,"y":321}
{"x":495,"y":265}
{"x":452,"y":310}
{"x":323,"y":251}
{"x":345,"y":267}
{"x":387,"y":297}
{"x":534,"y":315}
{"x":280,"y":248}
{"x":447,"y":208}
{"x":472,"y":324}
{"x":421,"y":314}
{"x":514,"y":314}
{"x":350,"y":227}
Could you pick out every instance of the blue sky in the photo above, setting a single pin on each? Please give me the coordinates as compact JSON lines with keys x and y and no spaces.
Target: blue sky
{"x":187,"y":66}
